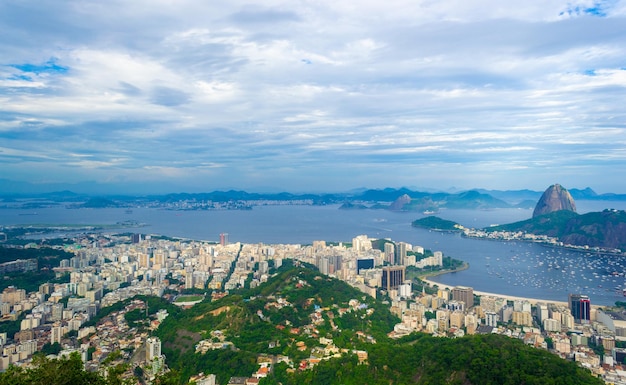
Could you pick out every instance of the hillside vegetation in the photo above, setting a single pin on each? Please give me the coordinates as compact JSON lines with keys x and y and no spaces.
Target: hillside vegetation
{"x":284,"y":316}
{"x":436,"y":223}
{"x":291,"y":314}
{"x":596,"y":229}
{"x":422,"y":359}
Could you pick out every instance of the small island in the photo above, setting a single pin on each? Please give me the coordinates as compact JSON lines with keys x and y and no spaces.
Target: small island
{"x":436,"y":223}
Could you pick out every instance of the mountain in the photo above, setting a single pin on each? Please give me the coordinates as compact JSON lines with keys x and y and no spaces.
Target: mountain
{"x":513,"y":196}
{"x":555,"y":198}
{"x":400,"y":203}
{"x":406,"y":200}
{"x":606,"y":229}
{"x":302,"y":319}
{"x":473,"y":200}
{"x":555,"y":216}
{"x":421,"y":359}
{"x":287,"y":315}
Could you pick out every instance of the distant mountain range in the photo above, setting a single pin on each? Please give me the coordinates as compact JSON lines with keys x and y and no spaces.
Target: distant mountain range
{"x":402,"y":199}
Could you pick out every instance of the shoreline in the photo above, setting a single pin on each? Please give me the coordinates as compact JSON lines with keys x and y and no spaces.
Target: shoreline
{"x":465,"y":266}
{"x":533,"y":301}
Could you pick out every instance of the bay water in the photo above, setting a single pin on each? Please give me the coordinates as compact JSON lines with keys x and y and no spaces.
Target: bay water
{"x":511,"y":268}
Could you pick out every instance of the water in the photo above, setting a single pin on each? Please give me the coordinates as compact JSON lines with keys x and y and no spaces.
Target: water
{"x":513,"y":268}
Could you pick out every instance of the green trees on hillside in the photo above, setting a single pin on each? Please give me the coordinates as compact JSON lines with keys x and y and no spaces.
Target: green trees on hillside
{"x":65,"y":371}
{"x":422,"y":359}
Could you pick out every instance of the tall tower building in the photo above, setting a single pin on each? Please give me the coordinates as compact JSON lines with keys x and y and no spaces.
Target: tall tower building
{"x":143,"y":260}
{"x":390,"y":253}
{"x":189,"y":277}
{"x":465,"y":294}
{"x":401,"y":249}
{"x":580,"y":306}
{"x":153,"y":348}
{"x":159,"y":257}
{"x":224,"y":239}
{"x":56,"y":333}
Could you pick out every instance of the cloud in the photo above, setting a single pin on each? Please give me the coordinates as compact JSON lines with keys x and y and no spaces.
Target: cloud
{"x":256,"y":14}
{"x":331,"y":94}
{"x":170,"y":97}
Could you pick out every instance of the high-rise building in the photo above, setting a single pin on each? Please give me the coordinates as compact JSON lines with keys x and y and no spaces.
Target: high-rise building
{"x":329,"y":265}
{"x":224,"y":239}
{"x":465,"y":294}
{"x":491,"y":319}
{"x":189,"y":277}
{"x":153,"y":348}
{"x":393,"y":277}
{"x":580,"y":306}
{"x":542,"y":312}
{"x":401,"y":249}
{"x":390,"y":254}
{"x":361,"y":243}
{"x":56,"y":333}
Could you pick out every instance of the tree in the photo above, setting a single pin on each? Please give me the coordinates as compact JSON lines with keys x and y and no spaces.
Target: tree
{"x":64,"y":371}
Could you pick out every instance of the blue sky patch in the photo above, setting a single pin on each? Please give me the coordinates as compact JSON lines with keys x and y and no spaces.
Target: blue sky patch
{"x":21,"y":77}
{"x":599,"y":9}
{"x":50,"y":66}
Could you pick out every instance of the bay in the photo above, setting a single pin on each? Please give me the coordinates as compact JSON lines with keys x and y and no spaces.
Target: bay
{"x":511,"y":268}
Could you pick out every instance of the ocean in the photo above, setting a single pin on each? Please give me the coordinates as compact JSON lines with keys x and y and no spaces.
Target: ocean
{"x":512,"y":268}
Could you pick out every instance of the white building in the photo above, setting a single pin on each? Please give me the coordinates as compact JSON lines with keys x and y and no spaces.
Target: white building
{"x":153,"y":348}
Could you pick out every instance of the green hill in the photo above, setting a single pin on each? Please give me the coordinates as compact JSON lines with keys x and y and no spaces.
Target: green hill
{"x":285,"y":316}
{"x":422,"y":359}
{"x":436,"y":223}
{"x":605,"y":229}
{"x":299,"y":313}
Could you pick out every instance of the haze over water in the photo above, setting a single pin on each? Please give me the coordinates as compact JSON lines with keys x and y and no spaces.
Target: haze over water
{"x":513,"y":268}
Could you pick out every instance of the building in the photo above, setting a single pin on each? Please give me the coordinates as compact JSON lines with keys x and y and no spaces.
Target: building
{"x":392,"y":277}
{"x":12,"y":295}
{"x":364,"y":264}
{"x":153,"y":348}
{"x":329,"y":265}
{"x":401,"y":251}
{"x":523,"y":318}
{"x":465,"y":294}
{"x":551,"y":325}
{"x":361,"y":243}
{"x":406,"y":289}
{"x":614,"y":321}
{"x":580,"y":306}
{"x":491,"y":319}
{"x":542,"y":312}
{"x":457,"y":319}
{"x":224,"y":239}
{"x":390,"y":253}
{"x":56,"y":333}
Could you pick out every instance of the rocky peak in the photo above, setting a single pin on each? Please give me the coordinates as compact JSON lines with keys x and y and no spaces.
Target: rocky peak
{"x":555,"y":198}
{"x":399,"y":203}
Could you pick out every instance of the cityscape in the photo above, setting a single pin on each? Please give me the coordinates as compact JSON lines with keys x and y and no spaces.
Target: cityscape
{"x":312,"y":192}
{"x":110,"y":269}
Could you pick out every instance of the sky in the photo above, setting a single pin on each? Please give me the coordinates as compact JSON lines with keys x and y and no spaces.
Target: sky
{"x":312,"y":96}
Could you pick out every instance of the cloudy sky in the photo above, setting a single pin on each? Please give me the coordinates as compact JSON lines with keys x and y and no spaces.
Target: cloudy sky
{"x":301,"y":95}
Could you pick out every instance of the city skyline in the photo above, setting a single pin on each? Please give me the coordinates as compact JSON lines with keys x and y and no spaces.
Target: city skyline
{"x":158,"y":97}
